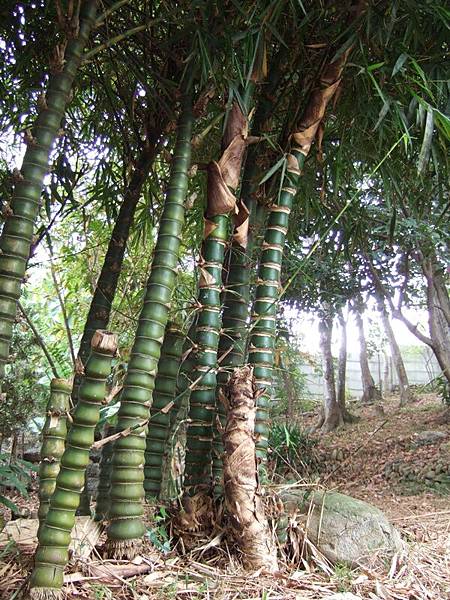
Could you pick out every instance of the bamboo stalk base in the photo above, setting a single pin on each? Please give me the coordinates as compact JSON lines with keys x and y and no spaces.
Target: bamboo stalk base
{"x":196,"y":523}
{"x":44,"y":594}
{"x":123,"y":549}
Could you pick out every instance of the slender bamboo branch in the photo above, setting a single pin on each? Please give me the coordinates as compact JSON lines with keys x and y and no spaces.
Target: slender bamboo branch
{"x":109,"y":11}
{"x":39,"y":340}
{"x":116,"y":39}
{"x":62,"y":304}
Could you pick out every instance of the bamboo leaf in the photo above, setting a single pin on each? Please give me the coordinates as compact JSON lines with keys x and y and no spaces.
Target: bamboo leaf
{"x":399,"y":63}
{"x":345,"y":46}
{"x":9,"y":504}
{"x":383,"y":112}
{"x":375,"y":66}
{"x":273,"y":170}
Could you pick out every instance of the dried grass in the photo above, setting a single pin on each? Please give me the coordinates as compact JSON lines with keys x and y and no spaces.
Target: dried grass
{"x":422,"y":572}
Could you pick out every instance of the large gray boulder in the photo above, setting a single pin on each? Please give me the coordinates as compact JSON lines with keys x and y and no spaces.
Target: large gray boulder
{"x":344,"y":529}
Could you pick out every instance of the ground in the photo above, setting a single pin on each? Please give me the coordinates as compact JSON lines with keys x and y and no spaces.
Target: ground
{"x":382,"y":459}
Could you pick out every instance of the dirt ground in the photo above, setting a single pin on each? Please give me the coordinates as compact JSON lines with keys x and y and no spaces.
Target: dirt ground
{"x":356,"y":460}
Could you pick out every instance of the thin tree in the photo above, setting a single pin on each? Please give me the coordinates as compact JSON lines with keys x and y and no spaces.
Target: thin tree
{"x":370,"y":392}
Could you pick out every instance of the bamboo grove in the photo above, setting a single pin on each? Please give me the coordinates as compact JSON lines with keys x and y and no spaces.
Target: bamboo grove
{"x":223,"y":122}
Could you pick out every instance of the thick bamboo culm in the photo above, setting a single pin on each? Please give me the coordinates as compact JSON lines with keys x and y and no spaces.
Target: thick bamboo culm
{"x":104,"y":479}
{"x":53,"y":442}
{"x":52,"y":553}
{"x":127,"y":478}
{"x":162,"y":407}
{"x":223,"y":179}
{"x":262,"y":338}
{"x":17,"y":234}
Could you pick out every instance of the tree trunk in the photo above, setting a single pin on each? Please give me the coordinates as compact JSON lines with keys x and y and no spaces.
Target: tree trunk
{"x":126,"y":527}
{"x":370,"y":392}
{"x":223,"y":180}
{"x":331,"y":409}
{"x":342,"y":363}
{"x":262,"y":339}
{"x":342,"y":372}
{"x":387,"y":387}
{"x":52,"y":553}
{"x":290,"y":393}
{"x":438,"y":309}
{"x":162,"y":406}
{"x":53,"y":443}
{"x":405,"y":393}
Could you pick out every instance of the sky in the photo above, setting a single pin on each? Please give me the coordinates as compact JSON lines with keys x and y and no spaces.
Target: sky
{"x":305,"y":328}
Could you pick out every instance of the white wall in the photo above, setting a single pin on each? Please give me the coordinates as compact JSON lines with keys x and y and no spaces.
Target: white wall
{"x":421,"y":369}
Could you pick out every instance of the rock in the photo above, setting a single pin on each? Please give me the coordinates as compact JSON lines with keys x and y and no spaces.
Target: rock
{"x":427,"y":438}
{"x":344,"y":529}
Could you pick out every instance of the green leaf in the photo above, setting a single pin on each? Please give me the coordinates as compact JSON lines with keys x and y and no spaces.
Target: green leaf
{"x":399,"y":63}
{"x":9,"y":504}
{"x":278,"y":165}
{"x":375,"y":66}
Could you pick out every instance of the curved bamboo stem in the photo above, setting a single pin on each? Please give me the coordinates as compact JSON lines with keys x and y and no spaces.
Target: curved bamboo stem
{"x":16,"y":237}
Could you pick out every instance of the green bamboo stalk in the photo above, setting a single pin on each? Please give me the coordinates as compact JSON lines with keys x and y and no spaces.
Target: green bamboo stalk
{"x":178,"y":415}
{"x":104,"y":481}
{"x":16,"y":237}
{"x":236,"y":299}
{"x":52,"y":553}
{"x":127,"y":491}
{"x":53,"y":443}
{"x":184,"y":379}
{"x":223,"y":179}
{"x":262,"y":337}
{"x":162,"y":408}
{"x":236,"y":309}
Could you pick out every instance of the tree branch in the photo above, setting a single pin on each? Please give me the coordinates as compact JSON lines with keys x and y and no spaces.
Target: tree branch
{"x":396,"y":310}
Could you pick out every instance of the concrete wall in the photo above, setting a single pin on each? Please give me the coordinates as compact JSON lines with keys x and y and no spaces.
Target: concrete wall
{"x":421,"y":369}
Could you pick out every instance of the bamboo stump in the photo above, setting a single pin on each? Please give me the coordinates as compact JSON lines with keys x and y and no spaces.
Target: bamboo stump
{"x":243,"y":501}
